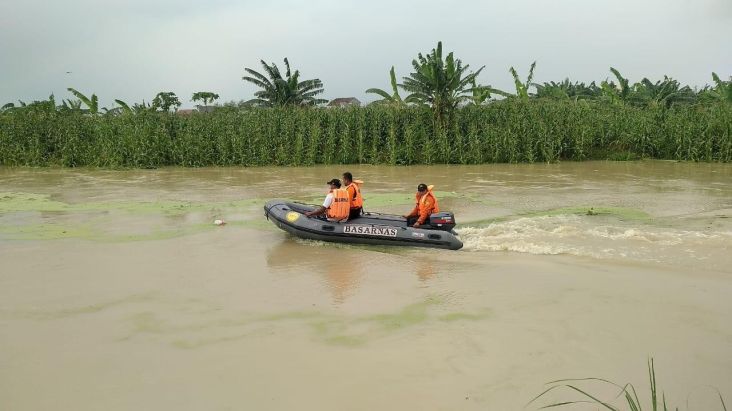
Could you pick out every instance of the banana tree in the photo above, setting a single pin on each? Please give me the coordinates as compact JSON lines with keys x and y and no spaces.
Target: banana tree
{"x":663,"y":93}
{"x":92,"y":103}
{"x":139,"y":108}
{"x":522,"y":88}
{"x":481,"y":93}
{"x":124,"y":107}
{"x":47,"y":106}
{"x":722,"y":90}
{"x":71,"y":105}
{"x":277,"y":90}
{"x":136,"y":108}
{"x":617,"y":93}
{"x":442,"y":83}
{"x":567,"y":90}
{"x":393,"y":99}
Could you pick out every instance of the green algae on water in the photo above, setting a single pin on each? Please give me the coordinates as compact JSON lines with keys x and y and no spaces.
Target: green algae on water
{"x":45,"y":231}
{"x":406,"y":317}
{"x":23,"y":202}
{"x":329,"y":328}
{"x":15,"y":202}
{"x":94,"y":218}
{"x":458,"y":316}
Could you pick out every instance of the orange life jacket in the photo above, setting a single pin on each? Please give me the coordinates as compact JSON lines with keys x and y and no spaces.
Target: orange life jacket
{"x":339,"y":208}
{"x":356,"y":201}
{"x":423,"y":205}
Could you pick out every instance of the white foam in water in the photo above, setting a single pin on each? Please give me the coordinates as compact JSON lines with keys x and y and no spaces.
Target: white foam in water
{"x":581,"y":236}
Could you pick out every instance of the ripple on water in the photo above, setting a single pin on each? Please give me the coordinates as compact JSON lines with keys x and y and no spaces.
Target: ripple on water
{"x":606,"y":238}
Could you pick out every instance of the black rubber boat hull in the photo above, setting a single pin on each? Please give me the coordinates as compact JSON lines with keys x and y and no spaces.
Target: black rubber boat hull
{"x":376,"y":229}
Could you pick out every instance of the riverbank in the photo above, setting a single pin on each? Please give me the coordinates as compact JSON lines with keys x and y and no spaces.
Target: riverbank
{"x":503,"y":132}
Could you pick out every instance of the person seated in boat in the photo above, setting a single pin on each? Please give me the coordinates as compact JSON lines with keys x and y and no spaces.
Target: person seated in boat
{"x":426,"y":205}
{"x":354,"y":195}
{"x":335,"y":206}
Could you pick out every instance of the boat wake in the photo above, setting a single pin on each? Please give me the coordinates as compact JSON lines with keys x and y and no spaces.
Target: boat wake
{"x":583,"y":236}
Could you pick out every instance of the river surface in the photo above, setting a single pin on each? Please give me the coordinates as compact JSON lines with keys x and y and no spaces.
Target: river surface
{"x":117,"y":291}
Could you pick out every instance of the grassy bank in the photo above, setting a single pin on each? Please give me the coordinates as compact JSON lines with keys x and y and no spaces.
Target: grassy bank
{"x":509,"y":131}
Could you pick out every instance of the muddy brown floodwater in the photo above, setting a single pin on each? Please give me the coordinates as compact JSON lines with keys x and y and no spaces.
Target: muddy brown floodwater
{"x":118,"y":293}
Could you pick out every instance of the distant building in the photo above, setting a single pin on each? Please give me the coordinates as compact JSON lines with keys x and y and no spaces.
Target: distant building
{"x":344,"y":102}
{"x":205,"y":109}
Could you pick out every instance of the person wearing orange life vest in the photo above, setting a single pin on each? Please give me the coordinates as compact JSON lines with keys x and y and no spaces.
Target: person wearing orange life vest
{"x":335,"y":206}
{"x":354,"y":195}
{"x":426,"y":205}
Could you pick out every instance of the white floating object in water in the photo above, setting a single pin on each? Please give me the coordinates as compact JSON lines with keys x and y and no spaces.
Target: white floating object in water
{"x":219,"y":222}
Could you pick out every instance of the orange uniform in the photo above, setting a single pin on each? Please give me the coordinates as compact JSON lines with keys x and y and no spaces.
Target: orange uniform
{"x":426,"y":205}
{"x":354,"y":195}
{"x":339,"y":208}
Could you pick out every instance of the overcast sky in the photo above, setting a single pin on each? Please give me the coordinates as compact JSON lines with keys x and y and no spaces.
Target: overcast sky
{"x":131,"y":49}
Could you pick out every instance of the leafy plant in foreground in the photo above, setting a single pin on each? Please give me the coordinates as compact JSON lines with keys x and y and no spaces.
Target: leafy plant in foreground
{"x":627,"y":392}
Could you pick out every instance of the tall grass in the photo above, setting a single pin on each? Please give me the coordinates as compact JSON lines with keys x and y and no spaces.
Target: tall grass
{"x":509,"y":131}
{"x":630,"y":399}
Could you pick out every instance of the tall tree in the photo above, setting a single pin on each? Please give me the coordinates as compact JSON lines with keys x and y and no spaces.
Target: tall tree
{"x":166,"y":100}
{"x":205,"y":96}
{"x":277,"y":90}
{"x":442,"y":83}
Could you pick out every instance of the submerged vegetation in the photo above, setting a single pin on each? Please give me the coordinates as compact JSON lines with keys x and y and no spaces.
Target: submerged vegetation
{"x":446,"y":117}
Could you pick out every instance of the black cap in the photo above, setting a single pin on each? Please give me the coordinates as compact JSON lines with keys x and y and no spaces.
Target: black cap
{"x":336,"y":182}
{"x":422,"y":187}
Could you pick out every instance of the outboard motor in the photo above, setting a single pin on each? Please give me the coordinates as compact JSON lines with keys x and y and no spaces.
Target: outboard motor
{"x":442,"y":221}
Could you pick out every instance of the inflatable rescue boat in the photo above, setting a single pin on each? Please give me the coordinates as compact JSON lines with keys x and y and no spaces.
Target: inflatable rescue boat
{"x":369,"y":228}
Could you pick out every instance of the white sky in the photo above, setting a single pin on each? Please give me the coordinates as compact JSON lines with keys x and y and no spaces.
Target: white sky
{"x":132,"y":49}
